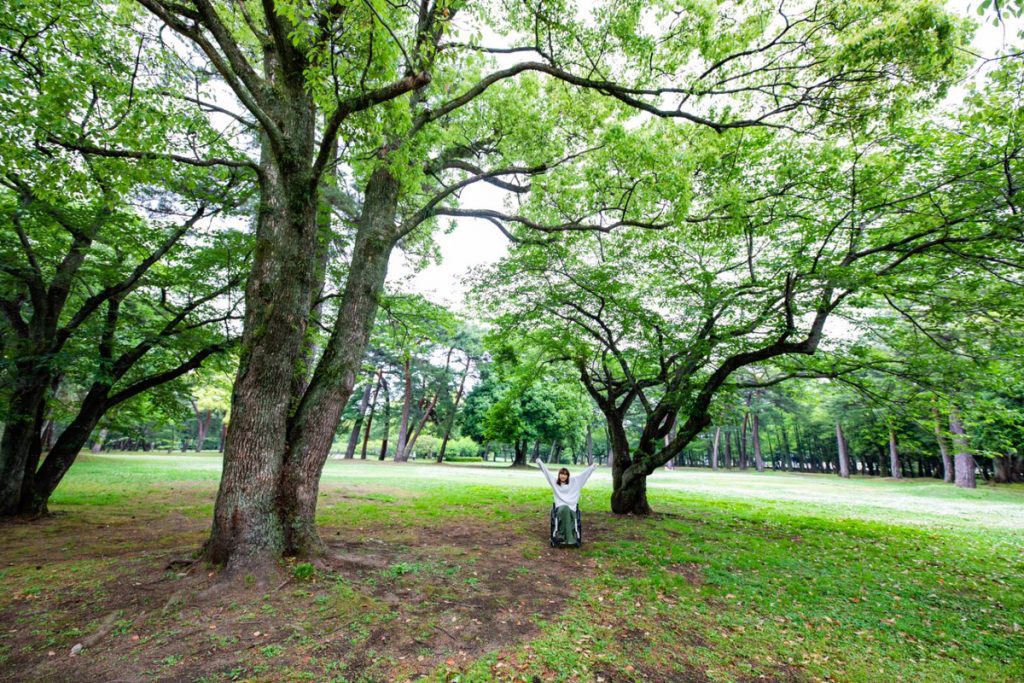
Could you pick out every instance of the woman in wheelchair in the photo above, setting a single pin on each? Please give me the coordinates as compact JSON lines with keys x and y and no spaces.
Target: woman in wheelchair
{"x":565,"y":529}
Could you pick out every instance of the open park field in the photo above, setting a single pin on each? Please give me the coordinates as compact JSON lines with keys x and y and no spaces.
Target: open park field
{"x":443,"y":573}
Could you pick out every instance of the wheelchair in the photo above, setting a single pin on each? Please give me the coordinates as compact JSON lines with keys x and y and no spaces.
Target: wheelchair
{"x":554,"y":529}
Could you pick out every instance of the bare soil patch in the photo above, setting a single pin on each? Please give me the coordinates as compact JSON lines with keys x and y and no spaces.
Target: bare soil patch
{"x":436,"y":594}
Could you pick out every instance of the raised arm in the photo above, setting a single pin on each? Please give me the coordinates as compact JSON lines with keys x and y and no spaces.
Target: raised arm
{"x":547,"y":473}
{"x":585,"y":474}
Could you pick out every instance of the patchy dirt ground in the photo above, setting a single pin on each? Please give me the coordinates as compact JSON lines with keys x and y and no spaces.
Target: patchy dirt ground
{"x":419,"y":598}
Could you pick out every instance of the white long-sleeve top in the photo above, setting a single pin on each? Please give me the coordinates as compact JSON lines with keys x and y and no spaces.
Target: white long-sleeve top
{"x":569,"y":494}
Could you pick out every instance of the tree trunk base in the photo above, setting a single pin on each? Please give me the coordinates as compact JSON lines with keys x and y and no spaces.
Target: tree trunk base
{"x":631,"y":499}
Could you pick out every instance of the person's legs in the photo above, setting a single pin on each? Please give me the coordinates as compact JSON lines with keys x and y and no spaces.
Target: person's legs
{"x":566,"y":524}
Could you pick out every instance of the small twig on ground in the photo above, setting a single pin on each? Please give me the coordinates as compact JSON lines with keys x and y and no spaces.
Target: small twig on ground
{"x":106,"y":626}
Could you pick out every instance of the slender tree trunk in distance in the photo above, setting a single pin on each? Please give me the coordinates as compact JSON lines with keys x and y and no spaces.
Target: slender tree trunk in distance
{"x":963,"y":461}
{"x":940,"y":437}
{"x":727,"y":455}
{"x":403,"y":426}
{"x":743,"y":441}
{"x":714,"y":448}
{"x":369,"y":418}
{"x":755,"y":427}
{"x":387,"y":421}
{"x":1001,"y":466}
{"x":844,"y":458}
{"x":97,"y":445}
{"x":455,"y":409}
{"x":520,"y":457}
{"x":357,"y":428}
{"x":895,"y":466}
{"x":590,"y":446}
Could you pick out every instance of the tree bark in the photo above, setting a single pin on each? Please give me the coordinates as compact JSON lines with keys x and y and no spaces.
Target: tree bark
{"x":963,"y":461}
{"x":755,"y":428}
{"x":743,"y":441}
{"x":590,"y":446}
{"x":629,"y":495}
{"x":247,"y":526}
{"x":895,"y":466}
{"x":21,"y":445}
{"x":202,"y":425}
{"x":403,"y":426}
{"x":727,"y":455}
{"x":714,"y":448}
{"x":357,"y":428}
{"x":940,"y":437}
{"x":1001,"y":465}
{"x":97,"y":444}
{"x":387,"y":421}
{"x":455,"y":409}
{"x":521,"y":447}
{"x":844,"y":457}
{"x":312,"y":428}
{"x":369,"y":418}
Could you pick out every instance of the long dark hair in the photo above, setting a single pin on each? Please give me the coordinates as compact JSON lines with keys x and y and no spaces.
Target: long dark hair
{"x":559,"y":479}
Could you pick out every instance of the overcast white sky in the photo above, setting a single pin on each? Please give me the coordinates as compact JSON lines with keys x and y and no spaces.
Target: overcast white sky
{"x":476,"y":242}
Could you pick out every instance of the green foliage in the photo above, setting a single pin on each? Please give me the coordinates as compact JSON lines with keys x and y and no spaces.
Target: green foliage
{"x":304,"y":571}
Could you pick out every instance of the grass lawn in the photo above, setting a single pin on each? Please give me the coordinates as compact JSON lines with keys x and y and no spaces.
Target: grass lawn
{"x":443,"y":573}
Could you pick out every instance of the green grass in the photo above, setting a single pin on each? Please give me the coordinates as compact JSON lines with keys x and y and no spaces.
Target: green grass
{"x":738,"y":576}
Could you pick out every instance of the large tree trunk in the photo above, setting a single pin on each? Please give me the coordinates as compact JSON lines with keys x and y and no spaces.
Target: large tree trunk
{"x":844,"y":456}
{"x":714,"y":448}
{"x":755,"y":428}
{"x":401,"y":455}
{"x":963,"y":461}
{"x":629,"y":490}
{"x":21,"y":444}
{"x":247,"y":526}
{"x":940,"y":437}
{"x":894,"y":456}
{"x":311,"y":431}
{"x":353,"y":438}
{"x":629,"y":480}
{"x":36,"y":490}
